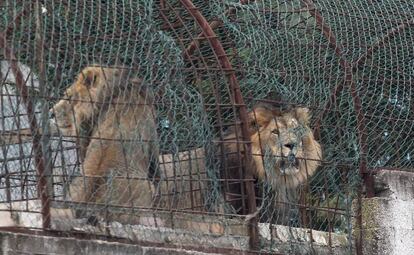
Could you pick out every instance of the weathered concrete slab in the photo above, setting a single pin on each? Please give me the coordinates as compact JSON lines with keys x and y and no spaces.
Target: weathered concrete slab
{"x":202,"y":230}
{"x":388,"y":219}
{"x":394,"y":184}
{"x":291,"y":240}
{"x":18,"y":243}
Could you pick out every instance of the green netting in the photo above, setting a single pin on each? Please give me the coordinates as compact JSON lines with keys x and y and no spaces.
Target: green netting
{"x":287,"y":52}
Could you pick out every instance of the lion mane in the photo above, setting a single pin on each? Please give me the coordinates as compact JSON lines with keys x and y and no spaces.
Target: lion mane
{"x":115,"y":120}
{"x":284,"y":151}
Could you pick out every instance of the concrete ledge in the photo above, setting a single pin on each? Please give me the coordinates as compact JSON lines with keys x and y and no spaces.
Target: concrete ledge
{"x":289,"y":240}
{"x":208,"y":231}
{"x":18,"y":243}
{"x":394,"y":184}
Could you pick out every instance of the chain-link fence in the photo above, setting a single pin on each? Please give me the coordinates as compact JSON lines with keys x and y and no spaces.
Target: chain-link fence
{"x":174,"y":121}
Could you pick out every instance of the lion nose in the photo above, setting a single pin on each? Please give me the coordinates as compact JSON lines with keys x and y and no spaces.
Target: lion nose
{"x":291,"y":146}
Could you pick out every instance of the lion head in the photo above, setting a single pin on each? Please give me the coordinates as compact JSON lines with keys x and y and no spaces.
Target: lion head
{"x":113,"y":120}
{"x":284,"y":149}
{"x":85,"y":97}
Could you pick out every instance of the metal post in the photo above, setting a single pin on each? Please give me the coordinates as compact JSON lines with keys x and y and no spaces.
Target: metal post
{"x":237,"y":100}
{"x":37,"y":149}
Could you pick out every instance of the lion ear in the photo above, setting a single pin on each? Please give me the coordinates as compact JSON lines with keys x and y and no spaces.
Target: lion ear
{"x":261,"y":115}
{"x":302,"y":114}
{"x":89,"y":76}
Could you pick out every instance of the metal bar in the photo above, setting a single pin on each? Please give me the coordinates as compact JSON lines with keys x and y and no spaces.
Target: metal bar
{"x":350,"y":82}
{"x":2,"y":143}
{"x":214,"y":24}
{"x":20,"y":84}
{"x":384,"y":39}
{"x":39,"y":59}
{"x":238,"y":99}
{"x":12,"y":25}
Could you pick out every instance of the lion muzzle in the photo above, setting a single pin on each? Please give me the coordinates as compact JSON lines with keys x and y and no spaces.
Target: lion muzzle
{"x":289,"y":164}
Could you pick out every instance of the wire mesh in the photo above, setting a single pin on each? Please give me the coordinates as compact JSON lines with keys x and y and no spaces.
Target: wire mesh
{"x":182,"y":62}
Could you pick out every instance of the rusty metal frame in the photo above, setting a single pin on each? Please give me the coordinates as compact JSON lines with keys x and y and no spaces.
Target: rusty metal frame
{"x":226,"y":67}
{"x":34,"y":129}
{"x":237,"y":99}
{"x":349,"y":81}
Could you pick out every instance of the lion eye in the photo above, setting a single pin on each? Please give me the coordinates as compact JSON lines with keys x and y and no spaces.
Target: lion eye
{"x":275,"y":131}
{"x":255,"y":125}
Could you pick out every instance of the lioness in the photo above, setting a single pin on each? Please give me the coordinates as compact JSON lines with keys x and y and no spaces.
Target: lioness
{"x":285,"y":155}
{"x":116,"y":122}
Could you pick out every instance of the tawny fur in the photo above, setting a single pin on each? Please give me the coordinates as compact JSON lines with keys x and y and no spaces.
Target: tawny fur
{"x":182,"y":185}
{"x":121,"y":146}
{"x":275,"y":135}
{"x":117,"y":141}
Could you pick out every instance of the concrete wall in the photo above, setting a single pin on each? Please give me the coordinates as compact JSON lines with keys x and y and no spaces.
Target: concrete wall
{"x":388,"y":218}
{"x":19,"y":243}
{"x":164,"y":228}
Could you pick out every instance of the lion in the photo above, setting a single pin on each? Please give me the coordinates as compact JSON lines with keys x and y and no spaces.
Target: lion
{"x":285,"y":154}
{"x":116,"y":143}
{"x":115,"y":120}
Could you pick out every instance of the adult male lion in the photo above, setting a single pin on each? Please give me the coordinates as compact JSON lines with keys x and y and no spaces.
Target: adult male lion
{"x":285,"y":155}
{"x":115,"y":119}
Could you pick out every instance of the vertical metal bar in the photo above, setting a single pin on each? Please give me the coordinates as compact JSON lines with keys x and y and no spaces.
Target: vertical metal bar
{"x":350,"y":82}
{"x":238,"y":99}
{"x":214,"y":24}
{"x":37,"y":149}
{"x":39,"y":62}
{"x":4,"y":150}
